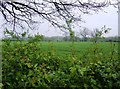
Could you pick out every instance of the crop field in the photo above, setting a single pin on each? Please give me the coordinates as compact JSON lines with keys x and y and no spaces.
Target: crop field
{"x":66,"y":48}
{"x":61,"y":65}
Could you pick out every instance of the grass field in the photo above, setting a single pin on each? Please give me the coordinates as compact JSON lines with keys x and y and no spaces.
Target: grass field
{"x":65,"y":48}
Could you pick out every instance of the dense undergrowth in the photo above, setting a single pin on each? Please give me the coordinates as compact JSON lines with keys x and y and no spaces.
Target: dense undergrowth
{"x":26,"y":66}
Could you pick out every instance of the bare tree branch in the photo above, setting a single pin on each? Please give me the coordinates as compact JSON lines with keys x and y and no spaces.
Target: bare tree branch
{"x":54,"y":11}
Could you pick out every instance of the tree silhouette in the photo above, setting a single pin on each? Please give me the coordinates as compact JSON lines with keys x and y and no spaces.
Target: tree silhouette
{"x":85,"y":32}
{"x":24,"y":13}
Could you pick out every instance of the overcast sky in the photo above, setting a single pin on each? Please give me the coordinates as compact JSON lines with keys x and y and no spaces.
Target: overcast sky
{"x":110,"y":19}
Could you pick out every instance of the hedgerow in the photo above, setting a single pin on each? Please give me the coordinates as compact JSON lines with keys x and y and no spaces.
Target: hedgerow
{"x":26,"y":66}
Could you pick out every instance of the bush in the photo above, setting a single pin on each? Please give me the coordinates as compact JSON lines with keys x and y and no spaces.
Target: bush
{"x":26,"y":66}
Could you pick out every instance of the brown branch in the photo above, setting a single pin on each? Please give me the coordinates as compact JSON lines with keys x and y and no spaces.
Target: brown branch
{"x":49,"y":10}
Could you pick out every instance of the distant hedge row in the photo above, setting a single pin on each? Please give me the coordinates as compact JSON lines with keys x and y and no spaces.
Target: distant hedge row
{"x":76,"y":39}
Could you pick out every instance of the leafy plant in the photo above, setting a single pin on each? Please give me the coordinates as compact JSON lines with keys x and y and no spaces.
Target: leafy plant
{"x":26,"y":66}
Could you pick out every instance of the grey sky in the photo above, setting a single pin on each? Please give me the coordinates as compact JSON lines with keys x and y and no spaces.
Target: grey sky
{"x":110,"y":19}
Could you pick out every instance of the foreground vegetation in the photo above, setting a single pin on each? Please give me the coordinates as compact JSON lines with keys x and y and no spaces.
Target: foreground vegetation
{"x":35,"y":65}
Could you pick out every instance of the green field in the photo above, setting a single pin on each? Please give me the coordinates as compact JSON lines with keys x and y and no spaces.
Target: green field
{"x":66,"y":48}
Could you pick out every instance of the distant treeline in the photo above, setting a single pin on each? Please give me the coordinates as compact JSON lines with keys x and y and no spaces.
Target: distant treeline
{"x":67,"y":38}
{"x":77,"y":39}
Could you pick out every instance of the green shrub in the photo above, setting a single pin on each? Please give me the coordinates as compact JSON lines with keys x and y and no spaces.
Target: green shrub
{"x":26,"y":66}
